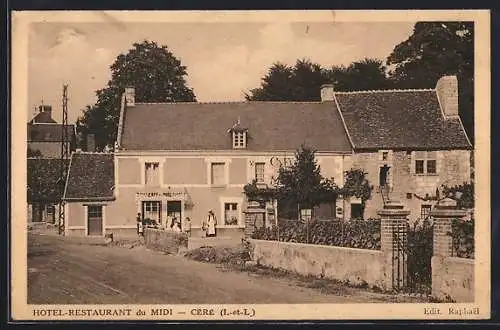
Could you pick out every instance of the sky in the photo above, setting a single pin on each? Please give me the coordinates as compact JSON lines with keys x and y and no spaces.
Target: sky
{"x":223,"y":60}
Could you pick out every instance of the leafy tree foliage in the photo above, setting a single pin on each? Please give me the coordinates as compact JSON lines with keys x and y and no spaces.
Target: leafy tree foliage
{"x":433,"y":50}
{"x":156,"y":74}
{"x":303,"y":81}
{"x":356,"y":184}
{"x":463,"y":194}
{"x":367,"y":74}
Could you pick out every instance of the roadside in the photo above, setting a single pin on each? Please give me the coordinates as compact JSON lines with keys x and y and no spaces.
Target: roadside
{"x":61,"y":270}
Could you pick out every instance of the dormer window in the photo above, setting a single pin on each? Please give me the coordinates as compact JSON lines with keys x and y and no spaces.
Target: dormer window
{"x":239,"y":135}
{"x":239,"y":140}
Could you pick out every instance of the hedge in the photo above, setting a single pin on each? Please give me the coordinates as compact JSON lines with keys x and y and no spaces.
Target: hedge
{"x":361,"y":234}
{"x":463,"y":238}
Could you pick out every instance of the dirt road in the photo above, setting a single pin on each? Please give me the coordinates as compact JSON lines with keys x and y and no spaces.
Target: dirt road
{"x":62,"y":271}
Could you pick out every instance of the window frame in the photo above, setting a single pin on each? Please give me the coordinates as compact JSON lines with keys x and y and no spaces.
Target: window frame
{"x":239,"y":140}
{"x":423,"y":207}
{"x":239,"y":211}
{"x":263,"y":164}
{"x":428,"y":156}
{"x":223,"y":167}
{"x":158,"y":176}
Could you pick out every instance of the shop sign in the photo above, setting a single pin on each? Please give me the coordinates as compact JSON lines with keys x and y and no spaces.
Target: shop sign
{"x":162,"y":195}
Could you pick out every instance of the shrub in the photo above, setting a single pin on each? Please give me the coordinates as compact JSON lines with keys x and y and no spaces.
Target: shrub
{"x":463,"y":238}
{"x":362,"y":234}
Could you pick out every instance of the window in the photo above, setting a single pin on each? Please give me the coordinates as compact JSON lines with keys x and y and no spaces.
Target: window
{"x":259,"y":172}
{"x":305,"y":214}
{"x":425,"y":162}
{"x":419,"y":167}
{"x":231,"y":214}
{"x":431,"y":166}
{"x":151,"y":176}
{"x":425,"y":211}
{"x":385,"y":155}
{"x":94,"y":211}
{"x":152,"y":210}
{"x":218,"y":174}
{"x":239,"y":139}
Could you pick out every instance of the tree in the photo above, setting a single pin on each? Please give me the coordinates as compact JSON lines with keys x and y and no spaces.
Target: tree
{"x":367,"y":74}
{"x":157,"y":77}
{"x":302,"y":183}
{"x":356,"y":184}
{"x":463,"y":194}
{"x":303,"y":81}
{"x":433,"y":50}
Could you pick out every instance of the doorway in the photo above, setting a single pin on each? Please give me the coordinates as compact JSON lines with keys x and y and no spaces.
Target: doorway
{"x":383,"y":176}
{"x":174,"y":210}
{"x":94,"y":220}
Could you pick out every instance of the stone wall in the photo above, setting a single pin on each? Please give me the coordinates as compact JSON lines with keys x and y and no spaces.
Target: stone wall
{"x":357,"y":266}
{"x":165,"y":241}
{"x":453,"y":278}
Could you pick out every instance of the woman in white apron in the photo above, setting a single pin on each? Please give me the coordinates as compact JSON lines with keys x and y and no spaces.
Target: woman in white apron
{"x":211,"y":223}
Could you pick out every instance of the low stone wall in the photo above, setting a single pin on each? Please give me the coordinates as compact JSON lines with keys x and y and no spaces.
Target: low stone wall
{"x":357,"y":266}
{"x":453,"y":278}
{"x":164,"y":240}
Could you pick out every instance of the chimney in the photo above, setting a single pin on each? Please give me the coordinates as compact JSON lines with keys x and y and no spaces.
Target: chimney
{"x":130,"y":96}
{"x":327,"y":92}
{"x":46,"y":108}
{"x":90,"y":142}
{"x":447,"y":92}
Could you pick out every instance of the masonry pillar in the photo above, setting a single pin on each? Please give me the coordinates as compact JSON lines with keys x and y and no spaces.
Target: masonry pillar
{"x":394,"y":245}
{"x":443,"y":214}
{"x":254,"y":218}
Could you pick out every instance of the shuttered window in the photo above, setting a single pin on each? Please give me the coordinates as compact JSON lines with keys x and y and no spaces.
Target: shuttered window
{"x":217,"y":174}
{"x":152,"y":174}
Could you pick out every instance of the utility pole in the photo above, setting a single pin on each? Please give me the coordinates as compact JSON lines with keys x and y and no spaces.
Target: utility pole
{"x":65,"y":141}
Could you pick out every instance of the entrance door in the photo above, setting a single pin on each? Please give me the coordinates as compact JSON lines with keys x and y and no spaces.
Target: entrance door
{"x":174,"y":211}
{"x":383,"y":174}
{"x":94,"y":218}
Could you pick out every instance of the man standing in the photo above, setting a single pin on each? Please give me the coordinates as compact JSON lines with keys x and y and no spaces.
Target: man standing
{"x":211,"y":223}
{"x":140,"y":228}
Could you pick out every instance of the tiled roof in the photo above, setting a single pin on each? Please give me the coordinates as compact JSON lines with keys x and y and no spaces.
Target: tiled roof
{"x":43,"y":177}
{"x":399,"y":119}
{"x":272,"y":126}
{"x":49,"y":132}
{"x":91,"y":177}
{"x":43,"y":117}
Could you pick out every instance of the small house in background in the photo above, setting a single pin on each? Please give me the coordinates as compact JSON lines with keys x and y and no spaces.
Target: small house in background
{"x":88,"y":192}
{"x":45,"y":135}
{"x":44,"y":189}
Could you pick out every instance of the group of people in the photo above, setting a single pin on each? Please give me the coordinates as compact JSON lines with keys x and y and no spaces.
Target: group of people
{"x":174,"y":224}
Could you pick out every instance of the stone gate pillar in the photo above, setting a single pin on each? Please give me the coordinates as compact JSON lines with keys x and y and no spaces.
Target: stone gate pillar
{"x":443,"y":214}
{"x":394,"y":245}
{"x":254,"y":218}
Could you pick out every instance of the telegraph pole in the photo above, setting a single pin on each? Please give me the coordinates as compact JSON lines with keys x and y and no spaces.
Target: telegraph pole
{"x":65,"y":141}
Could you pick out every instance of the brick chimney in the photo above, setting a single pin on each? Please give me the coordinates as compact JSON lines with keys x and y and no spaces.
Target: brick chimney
{"x":327,"y":92}
{"x":130,"y":96}
{"x":90,"y":142}
{"x":447,"y":92}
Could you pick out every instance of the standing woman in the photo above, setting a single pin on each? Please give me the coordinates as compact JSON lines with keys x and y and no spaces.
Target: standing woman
{"x":211,"y":223}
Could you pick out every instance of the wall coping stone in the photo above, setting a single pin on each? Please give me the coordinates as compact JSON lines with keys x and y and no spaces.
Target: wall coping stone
{"x":318,"y":246}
